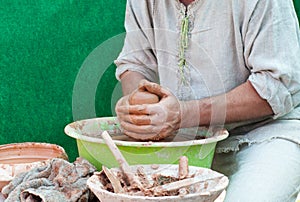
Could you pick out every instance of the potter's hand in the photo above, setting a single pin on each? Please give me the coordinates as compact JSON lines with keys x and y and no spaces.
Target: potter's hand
{"x":150,"y":121}
{"x":137,"y":97}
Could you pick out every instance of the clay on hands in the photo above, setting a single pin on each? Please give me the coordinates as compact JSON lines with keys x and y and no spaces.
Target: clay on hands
{"x":141,"y":97}
{"x":153,"y":121}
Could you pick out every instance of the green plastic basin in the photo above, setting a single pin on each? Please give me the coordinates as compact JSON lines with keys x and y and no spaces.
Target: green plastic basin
{"x":91,"y":146}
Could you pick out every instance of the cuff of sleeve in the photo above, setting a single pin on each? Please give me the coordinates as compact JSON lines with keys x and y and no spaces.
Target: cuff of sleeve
{"x":148,"y":73}
{"x":272,"y":90}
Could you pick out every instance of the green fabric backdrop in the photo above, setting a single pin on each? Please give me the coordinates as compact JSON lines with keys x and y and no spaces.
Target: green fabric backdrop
{"x":43,"y":44}
{"x":297,"y":7}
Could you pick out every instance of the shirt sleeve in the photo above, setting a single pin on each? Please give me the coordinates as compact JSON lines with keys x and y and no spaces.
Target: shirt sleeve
{"x":138,"y":53}
{"x":272,"y":54}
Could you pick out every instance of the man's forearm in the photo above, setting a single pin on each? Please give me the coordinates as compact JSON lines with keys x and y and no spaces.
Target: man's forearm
{"x":130,"y":81}
{"x":241,"y":104}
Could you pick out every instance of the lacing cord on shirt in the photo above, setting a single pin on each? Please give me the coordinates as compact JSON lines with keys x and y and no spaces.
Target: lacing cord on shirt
{"x":183,"y":46}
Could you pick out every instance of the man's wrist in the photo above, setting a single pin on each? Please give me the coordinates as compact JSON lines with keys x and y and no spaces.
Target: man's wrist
{"x":190,"y":114}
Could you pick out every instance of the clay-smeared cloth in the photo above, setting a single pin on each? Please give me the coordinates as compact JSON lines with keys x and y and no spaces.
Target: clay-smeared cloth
{"x":58,"y":181}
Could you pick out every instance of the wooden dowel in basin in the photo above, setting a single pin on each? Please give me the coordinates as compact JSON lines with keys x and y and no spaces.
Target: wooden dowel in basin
{"x":182,"y":183}
{"x":115,"y":150}
{"x":131,"y":177}
{"x":183,"y":169}
{"x":115,"y":183}
{"x":183,"y":172}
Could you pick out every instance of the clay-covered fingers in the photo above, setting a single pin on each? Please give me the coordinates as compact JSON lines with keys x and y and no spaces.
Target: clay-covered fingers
{"x":135,"y":119}
{"x":142,"y":129}
{"x":141,"y":132}
{"x":146,"y":120}
{"x":139,"y":136}
{"x":132,"y":109}
{"x":146,"y":136}
{"x":155,"y":114}
{"x":145,"y":109}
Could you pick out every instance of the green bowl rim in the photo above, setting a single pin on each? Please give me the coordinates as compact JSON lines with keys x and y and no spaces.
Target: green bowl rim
{"x":218,"y":136}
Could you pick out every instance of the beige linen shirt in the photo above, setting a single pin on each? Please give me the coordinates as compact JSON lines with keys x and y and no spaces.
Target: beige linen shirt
{"x":227,"y":43}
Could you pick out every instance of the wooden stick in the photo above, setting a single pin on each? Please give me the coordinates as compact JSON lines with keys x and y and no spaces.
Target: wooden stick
{"x":115,"y":183}
{"x":183,"y":169}
{"x":131,"y":177}
{"x":183,"y":172}
{"x":182,"y":183}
